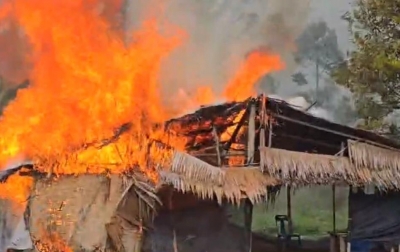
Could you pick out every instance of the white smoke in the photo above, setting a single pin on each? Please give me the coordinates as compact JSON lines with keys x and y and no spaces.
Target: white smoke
{"x":300,"y":103}
{"x":221,"y":33}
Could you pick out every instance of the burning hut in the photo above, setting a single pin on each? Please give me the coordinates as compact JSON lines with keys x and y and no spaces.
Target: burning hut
{"x":234,"y":152}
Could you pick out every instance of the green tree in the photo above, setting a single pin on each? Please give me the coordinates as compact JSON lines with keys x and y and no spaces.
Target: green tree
{"x":372,"y":72}
{"x":318,"y":46}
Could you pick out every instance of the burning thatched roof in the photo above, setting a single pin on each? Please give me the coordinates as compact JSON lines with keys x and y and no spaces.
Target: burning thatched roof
{"x":302,"y":149}
{"x":233,"y":151}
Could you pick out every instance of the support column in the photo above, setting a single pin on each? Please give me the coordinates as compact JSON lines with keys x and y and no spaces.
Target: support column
{"x":289,"y":208}
{"x":248,"y":218}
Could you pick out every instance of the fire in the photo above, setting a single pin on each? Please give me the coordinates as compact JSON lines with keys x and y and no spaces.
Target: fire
{"x":16,"y":189}
{"x":94,"y":103}
{"x":257,"y":64}
{"x":51,"y":242}
{"x":87,"y":84}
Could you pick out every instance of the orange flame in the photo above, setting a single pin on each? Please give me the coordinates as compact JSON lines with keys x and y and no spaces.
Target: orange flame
{"x":51,"y":242}
{"x":86,"y":82}
{"x":257,"y":64}
{"x":16,"y":189}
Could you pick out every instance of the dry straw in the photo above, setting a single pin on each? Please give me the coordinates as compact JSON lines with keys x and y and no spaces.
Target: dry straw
{"x":236,"y":184}
{"x":365,"y":164}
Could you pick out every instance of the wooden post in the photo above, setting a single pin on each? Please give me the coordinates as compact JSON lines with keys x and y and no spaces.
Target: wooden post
{"x":248,"y":218}
{"x":334,"y":207}
{"x":216,"y":140}
{"x":289,"y":208}
{"x":248,"y":206}
{"x":342,"y":243}
{"x":263,"y":121}
{"x":332,"y":238}
{"x":335,"y":238}
{"x":251,"y":136}
{"x":270,"y":132}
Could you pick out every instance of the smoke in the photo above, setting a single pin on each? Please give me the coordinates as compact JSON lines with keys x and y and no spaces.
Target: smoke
{"x":220,"y":35}
{"x":14,"y":63}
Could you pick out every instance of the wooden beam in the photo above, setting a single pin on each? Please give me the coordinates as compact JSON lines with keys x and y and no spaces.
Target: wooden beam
{"x":230,"y":154}
{"x":335,"y":132}
{"x":251,"y":136}
{"x":307,"y":140}
{"x":237,"y":129}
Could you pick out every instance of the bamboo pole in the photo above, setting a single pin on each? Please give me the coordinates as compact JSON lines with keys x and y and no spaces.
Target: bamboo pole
{"x":248,"y":218}
{"x":341,"y":154}
{"x":270,"y":128}
{"x":289,"y":208}
{"x":216,"y":139}
{"x":248,"y":206}
{"x":251,"y":136}
{"x":237,"y":129}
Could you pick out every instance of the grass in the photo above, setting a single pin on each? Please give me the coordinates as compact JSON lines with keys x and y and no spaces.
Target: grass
{"x":311,"y":212}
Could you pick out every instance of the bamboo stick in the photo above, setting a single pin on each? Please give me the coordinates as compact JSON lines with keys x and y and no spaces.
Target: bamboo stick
{"x":251,"y":134}
{"x":216,"y":139}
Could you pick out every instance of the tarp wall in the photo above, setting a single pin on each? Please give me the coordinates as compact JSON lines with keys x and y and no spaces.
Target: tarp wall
{"x":375,"y":217}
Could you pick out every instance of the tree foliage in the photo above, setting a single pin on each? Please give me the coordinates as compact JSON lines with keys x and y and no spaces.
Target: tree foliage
{"x":318,"y":44}
{"x":372,"y":72}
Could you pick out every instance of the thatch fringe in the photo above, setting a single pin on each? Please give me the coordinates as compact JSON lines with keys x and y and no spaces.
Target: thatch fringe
{"x":385,"y":179}
{"x":367,"y":164}
{"x":195,"y":169}
{"x":305,"y":168}
{"x":237,"y":184}
{"x":373,"y":157}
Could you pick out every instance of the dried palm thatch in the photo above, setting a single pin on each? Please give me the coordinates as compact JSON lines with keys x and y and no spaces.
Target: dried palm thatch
{"x":373,"y":157}
{"x":305,"y":168}
{"x":76,"y":208}
{"x":195,"y":169}
{"x":384,"y":179}
{"x":367,"y":164}
{"x":237,"y":184}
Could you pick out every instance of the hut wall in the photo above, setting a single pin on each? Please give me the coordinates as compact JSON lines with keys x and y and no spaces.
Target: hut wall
{"x":375,"y":217}
{"x":75,"y":208}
